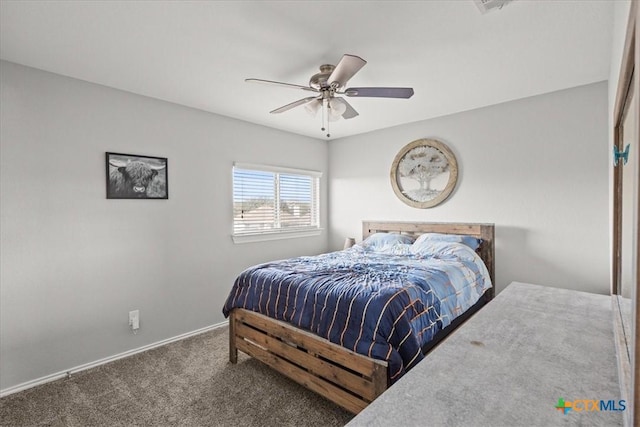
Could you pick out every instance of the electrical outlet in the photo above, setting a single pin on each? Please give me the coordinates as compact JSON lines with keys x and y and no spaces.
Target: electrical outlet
{"x":134,"y":320}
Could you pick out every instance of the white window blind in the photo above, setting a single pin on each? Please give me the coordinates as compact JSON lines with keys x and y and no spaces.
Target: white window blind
{"x":272,"y":200}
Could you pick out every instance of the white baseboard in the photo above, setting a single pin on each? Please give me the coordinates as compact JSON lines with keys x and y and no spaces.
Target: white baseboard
{"x":71,"y":371}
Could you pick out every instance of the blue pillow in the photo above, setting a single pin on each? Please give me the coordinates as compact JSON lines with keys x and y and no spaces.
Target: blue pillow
{"x":386,"y":242}
{"x":424,"y":239}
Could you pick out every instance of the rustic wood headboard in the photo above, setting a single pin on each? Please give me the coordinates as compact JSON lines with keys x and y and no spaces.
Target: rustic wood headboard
{"x":486,"y":232}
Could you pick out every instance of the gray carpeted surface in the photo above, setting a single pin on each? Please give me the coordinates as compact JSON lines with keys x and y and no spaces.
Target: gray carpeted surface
{"x":186,"y":383}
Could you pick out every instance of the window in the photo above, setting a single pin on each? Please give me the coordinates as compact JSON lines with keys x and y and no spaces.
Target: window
{"x":272,"y":203}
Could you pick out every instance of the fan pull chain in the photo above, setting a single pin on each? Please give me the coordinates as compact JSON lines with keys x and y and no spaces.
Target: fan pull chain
{"x":325,"y":117}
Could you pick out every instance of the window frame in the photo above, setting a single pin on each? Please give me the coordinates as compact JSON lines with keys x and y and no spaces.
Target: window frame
{"x":277,"y":233}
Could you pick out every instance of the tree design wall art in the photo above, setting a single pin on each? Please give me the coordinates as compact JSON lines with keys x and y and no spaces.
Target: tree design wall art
{"x":424,"y":173}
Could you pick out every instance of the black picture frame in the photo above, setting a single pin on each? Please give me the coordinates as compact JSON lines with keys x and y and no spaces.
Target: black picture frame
{"x":134,"y":176}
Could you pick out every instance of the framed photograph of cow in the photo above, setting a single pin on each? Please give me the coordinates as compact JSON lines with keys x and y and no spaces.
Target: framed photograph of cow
{"x":130,"y":176}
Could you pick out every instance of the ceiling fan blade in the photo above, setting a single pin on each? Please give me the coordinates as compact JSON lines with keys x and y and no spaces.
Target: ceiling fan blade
{"x":291,"y":85}
{"x":380,"y":92}
{"x":348,"y":66}
{"x":293,"y":105}
{"x":349,"y":112}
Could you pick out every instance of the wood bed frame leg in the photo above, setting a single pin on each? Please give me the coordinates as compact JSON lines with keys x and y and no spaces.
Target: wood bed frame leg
{"x":233,"y":350}
{"x":380,"y":380}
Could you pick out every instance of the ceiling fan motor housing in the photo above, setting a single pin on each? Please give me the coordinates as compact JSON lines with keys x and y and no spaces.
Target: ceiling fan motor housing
{"x":319,"y":81}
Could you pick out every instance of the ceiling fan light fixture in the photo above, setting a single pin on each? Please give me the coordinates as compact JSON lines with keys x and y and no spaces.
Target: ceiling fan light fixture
{"x":313,"y":107}
{"x":333,"y":117}
{"x":337,"y":107}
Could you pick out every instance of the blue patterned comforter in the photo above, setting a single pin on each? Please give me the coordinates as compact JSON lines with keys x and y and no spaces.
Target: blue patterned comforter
{"x":383,"y":306}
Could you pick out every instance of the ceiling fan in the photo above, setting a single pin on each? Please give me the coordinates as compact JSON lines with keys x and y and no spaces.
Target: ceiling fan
{"x":331,"y":81}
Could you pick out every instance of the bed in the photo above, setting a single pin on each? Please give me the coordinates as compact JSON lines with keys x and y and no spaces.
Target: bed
{"x":350,"y":323}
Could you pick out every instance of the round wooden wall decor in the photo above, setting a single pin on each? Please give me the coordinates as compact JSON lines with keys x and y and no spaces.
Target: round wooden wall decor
{"x":424,"y":173}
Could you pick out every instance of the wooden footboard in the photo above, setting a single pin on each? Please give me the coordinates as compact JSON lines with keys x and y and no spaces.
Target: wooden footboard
{"x":339,"y":374}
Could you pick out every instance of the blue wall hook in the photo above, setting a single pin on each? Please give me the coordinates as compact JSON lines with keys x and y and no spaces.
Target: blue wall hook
{"x":617,"y":155}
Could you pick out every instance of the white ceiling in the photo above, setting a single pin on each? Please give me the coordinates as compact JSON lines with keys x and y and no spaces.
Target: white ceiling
{"x":198,"y":53}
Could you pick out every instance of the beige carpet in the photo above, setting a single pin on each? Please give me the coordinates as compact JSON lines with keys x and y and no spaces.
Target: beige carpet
{"x":186,"y":383}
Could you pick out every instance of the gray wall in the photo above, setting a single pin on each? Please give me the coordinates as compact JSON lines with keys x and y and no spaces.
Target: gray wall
{"x":74,"y":264}
{"x":536,"y":167}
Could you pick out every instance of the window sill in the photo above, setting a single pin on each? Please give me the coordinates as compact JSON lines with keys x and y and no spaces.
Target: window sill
{"x":263,"y":237}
